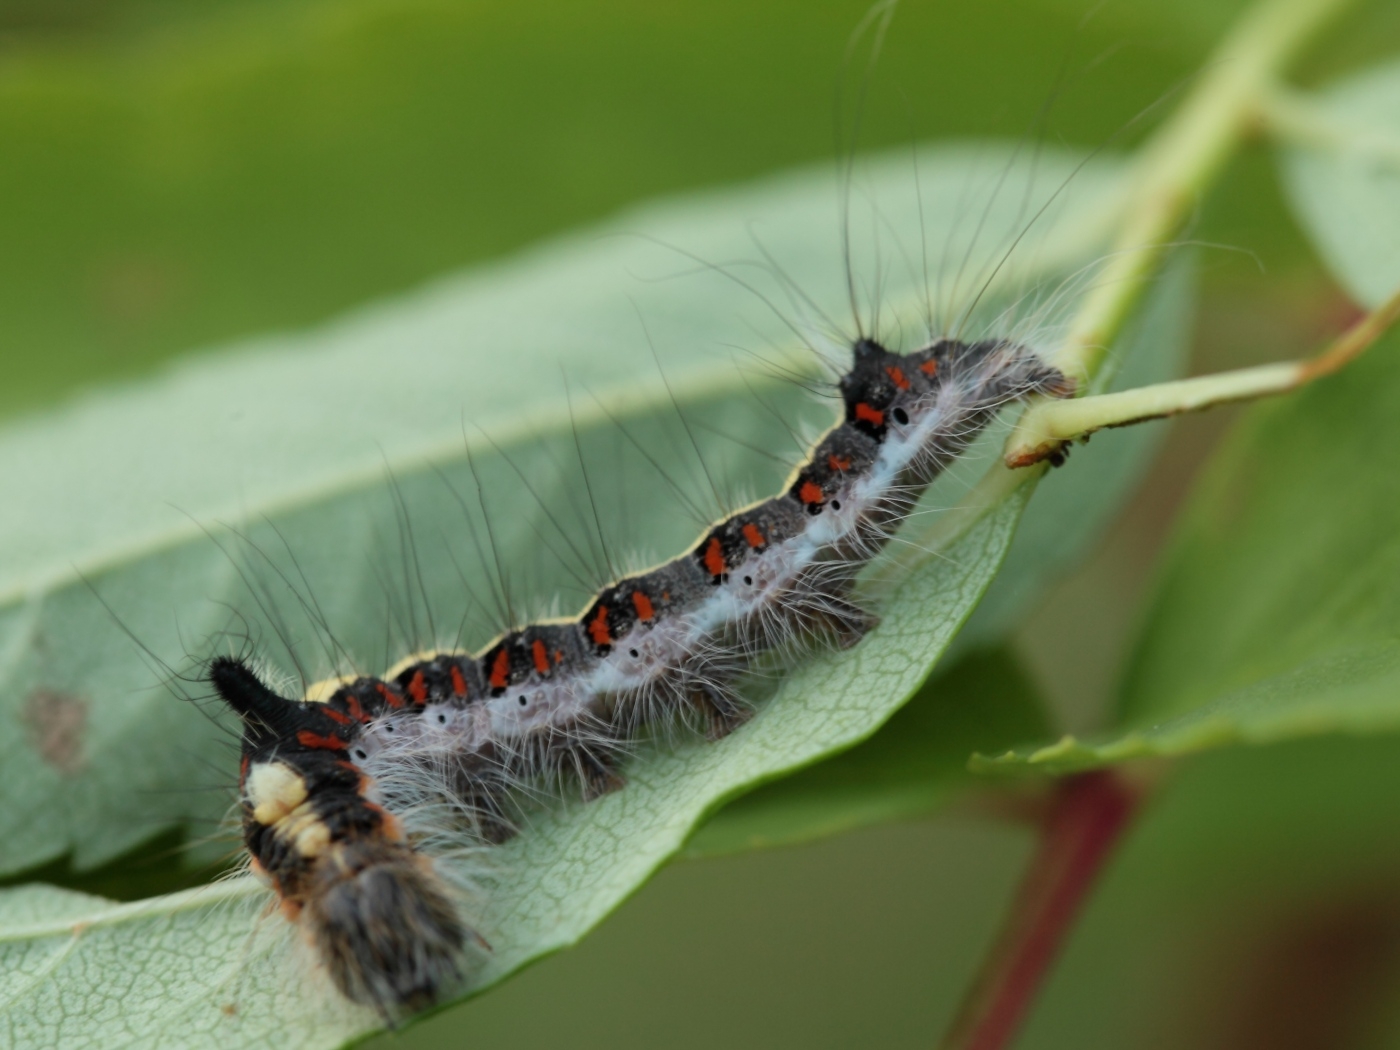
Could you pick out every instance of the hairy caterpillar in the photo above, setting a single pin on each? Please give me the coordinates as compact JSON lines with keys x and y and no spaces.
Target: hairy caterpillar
{"x":326,"y":780}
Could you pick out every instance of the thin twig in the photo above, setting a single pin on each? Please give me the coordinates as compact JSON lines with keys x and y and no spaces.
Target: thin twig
{"x":1045,"y":428}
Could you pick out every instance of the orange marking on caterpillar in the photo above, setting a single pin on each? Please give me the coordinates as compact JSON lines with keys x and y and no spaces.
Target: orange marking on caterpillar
{"x":243,"y":770}
{"x":541,"y":656}
{"x":838,"y":463}
{"x":388,"y":823}
{"x":753,"y":536}
{"x":417,"y":687}
{"x":390,"y":697}
{"x":357,"y":712}
{"x":598,"y":627}
{"x":714,"y":557}
{"x":870,"y":415}
{"x":315,"y":742}
{"x":334,"y":715}
{"x":645,"y":610}
{"x":810,"y":493}
{"x":459,"y":683}
{"x":391,"y":826}
{"x":897,"y":376}
{"x":558,"y":656}
{"x":500,"y":670}
{"x":929,"y":367}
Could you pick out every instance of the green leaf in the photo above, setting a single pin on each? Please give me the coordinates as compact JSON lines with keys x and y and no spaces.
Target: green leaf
{"x":1279,"y":612}
{"x":913,"y":765}
{"x":173,"y":971}
{"x":1342,"y":173}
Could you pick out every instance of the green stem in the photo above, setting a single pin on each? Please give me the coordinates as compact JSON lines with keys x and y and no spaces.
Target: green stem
{"x":1045,"y":427}
{"x":1183,"y":159}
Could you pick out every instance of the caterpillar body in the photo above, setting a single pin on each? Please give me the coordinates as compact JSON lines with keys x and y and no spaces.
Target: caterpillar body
{"x":329,"y":783}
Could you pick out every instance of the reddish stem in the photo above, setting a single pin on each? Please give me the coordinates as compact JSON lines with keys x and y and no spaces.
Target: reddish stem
{"x":1088,"y":814}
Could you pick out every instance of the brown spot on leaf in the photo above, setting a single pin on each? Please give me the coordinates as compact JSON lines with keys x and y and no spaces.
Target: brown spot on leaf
{"x":56,"y":722}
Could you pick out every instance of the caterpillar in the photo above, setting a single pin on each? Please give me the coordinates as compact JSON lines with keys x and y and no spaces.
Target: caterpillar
{"x":330,"y":782}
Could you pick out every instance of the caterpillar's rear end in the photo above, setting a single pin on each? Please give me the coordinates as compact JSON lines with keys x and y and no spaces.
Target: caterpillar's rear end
{"x":376,"y":913}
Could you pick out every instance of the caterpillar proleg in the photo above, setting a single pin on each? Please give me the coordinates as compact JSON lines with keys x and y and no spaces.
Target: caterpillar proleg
{"x":326,"y":778}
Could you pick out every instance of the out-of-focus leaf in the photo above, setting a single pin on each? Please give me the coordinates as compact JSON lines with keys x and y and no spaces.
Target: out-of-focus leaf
{"x":180,"y":174}
{"x":914,"y":764}
{"x":1279,"y":612}
{"x":1344,"y":181}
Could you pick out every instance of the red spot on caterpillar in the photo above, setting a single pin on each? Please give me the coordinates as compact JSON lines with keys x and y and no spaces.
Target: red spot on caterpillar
{"x":810,"y":493}
{"x":835,"y":462}
{"x":417,"y":688}
{"x":459,"y":683}
{"x":352,"y":704}
{"x":243,"y":770}
{"x":714,"y":557}
{"x":598,"y":627}
{"x":929,"y":367}
{"x":500,"y":670}
{"x":541,"y":656}
{"x":558,"y":656}
{"x":315,"y":742}
{"x":752,"y":536}
{"x":645,"y":610}
{"x":897,"y":377}
{"x":390,"y":697}
{"x":870,"y":415}
{"x":334,"y":715}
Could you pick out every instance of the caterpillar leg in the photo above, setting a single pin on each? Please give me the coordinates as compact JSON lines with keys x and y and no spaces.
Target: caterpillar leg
{"x":598,"y":775}
{"x":721,"y":707}
{"x":845,"y":622}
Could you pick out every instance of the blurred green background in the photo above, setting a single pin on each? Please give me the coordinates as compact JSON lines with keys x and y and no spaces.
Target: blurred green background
{"x":174,"y":175}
